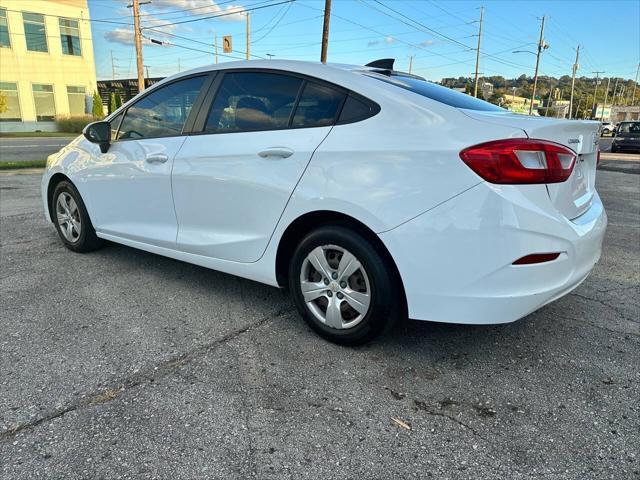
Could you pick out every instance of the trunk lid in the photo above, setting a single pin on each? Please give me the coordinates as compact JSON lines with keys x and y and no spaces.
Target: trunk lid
{"x":572,"y":197}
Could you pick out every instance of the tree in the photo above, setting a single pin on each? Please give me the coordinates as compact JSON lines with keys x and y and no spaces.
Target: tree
{"x":3,"y":103}
{"x":112,"y":103}
{"x":98,"y":109}
{"x":118,"y":100}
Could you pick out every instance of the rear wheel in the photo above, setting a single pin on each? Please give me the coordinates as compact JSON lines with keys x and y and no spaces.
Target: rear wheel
{"x":72,"y":220}
{"x":343,"y":286}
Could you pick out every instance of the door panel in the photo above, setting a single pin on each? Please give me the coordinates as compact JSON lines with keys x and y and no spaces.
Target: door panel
{"x":230,"y":189}
{"x":130,"y":187}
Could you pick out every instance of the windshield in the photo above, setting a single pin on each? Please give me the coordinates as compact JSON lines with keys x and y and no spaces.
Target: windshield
{"x":629,"y":127}
{"x":435,"y":92}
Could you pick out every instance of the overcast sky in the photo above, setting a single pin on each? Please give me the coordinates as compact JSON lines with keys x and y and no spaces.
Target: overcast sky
{"x":441,"y":35}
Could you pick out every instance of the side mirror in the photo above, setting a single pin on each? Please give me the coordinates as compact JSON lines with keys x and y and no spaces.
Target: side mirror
{"x":100,"y":133}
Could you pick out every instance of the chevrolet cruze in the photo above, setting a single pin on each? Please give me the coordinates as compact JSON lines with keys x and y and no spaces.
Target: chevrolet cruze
{"x":371,"y":194}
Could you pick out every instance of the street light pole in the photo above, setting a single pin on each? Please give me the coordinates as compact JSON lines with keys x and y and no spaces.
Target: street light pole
{"x":595,"y":94}
{"x":541,"y":46}
{"x":574,"y":69}
{"x":606,"y":97}
{"x":475,"y":88}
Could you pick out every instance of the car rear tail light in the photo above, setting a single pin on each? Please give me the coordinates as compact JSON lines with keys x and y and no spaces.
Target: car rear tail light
{"x":520,"y":161}
{"x":537,"y":258}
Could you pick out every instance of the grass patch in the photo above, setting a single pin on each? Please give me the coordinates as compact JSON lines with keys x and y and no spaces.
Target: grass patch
{"x":36,"y":134}
{"x":25,"y":164}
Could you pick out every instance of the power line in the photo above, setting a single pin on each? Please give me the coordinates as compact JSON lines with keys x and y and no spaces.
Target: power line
{"x":430,"y":30}
{"x":243,"y":11}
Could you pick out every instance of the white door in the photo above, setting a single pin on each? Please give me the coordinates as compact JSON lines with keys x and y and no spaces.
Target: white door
{"x":232,"y":182}
{"x":130,"y":185}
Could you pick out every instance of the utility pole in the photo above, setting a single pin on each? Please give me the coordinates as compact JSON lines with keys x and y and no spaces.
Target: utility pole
{"x":113,"y":67}
{"x":574,"y":69}
{"x":613,"y":96}
{"x":410,"y":63}
{"x":546,"y":111}
{"x":138,"y":42}
{"x":248,"y":37}
{"x":635,"y":84}
{"x":541,"y":47}
{"x":606,"y":97}
{"x":325,"y":31}
{"x":595,"y":94}
{"x":215,"y":45}
{"x":475,"y":88}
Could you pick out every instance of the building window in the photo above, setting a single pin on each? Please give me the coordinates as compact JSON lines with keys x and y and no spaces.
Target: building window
{"x":9,"y":93}
{"x":45,"y":104}
{"x":77,"y":103}
{"x":5,"y":41}
{"x":35,"y":33}
{"x":70,"y":36}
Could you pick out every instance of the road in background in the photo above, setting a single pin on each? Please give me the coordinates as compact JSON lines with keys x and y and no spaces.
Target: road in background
{"x":17,"y":149}
{"x":124,"y":364}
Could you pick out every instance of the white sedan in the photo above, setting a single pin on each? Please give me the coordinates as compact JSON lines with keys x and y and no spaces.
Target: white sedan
{"x":371,"y":194}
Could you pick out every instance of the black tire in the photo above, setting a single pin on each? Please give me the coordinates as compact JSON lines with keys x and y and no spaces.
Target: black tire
{"x":87,"y":240}
{"x":614,"y":149}
{"x":384,"y":289}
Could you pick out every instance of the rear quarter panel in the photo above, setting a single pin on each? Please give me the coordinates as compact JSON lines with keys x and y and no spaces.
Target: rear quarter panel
{"x":396,"y":165}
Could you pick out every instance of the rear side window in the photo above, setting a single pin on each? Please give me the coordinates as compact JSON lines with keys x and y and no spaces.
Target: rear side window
{"x":356,"y":109}
{"x":435,"y":92}
{"x":163,"y":112}
{"x":318,"y":106}
{"x":253,"y":101}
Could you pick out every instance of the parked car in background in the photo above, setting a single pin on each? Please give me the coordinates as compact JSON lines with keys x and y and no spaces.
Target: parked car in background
{"x":371,"y":194}
{"x":608,"y":128}
{"x":627,"y":137}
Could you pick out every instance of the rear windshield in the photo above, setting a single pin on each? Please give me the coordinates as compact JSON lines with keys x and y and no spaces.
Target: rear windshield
{"x":438,"y":93}
{"x":629,"y":127}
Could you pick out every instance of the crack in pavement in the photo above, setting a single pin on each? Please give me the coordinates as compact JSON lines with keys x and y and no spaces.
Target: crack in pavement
{"x":422,"y":406}
{"x":142,"y":377}
{"x":605,"y":304}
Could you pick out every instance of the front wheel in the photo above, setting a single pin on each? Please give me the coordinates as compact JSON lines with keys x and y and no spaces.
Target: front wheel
{"x":614,"y":149}
{"x":342,"y":286}
{"x":72,"y":219}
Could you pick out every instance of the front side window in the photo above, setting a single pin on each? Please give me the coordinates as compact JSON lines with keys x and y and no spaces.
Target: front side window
{"x":5,"y":41}
{"x":77,"y":100}
{"x":9,"y":92}
{"x":44,"y":102}
{"x":318,"y":106}
{"x":253,"y":101}
{"x":70,"y":36}
{"x":35,"y":33}
{"x":163,"y":112}
{"x":114,"y":123}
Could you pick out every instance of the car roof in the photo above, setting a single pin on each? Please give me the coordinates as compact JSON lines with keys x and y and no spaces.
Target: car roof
{"x":337,"y":73}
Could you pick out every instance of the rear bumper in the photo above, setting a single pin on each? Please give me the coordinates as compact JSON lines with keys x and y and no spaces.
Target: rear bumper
{"x":456,"y":260}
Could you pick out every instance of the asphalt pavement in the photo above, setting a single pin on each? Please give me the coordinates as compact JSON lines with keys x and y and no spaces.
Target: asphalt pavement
{"x":124,"y":364}
{"x":17,"y":149}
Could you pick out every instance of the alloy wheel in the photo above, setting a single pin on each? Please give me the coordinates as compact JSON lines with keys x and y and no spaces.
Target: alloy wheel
{"x":68,"y":217}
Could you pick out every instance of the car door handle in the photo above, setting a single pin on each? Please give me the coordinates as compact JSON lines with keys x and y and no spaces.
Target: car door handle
{"x":277,"y":152}
{"x":157,"y":158}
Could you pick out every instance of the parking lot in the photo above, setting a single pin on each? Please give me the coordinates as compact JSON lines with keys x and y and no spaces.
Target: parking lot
{"x":121,"y":364}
